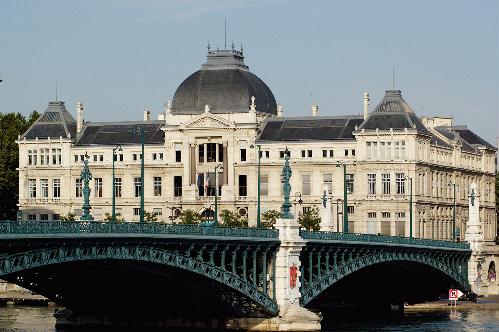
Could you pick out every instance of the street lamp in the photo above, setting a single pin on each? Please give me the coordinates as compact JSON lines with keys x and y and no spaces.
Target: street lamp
{"x":258,"y":204}
{"x":138,"y":130}
{"x":453,"y":184}
{"x":410,"y":205}
{"x":113,"y":213}
{"x":219,"y":166}
{"x":345,"y":198}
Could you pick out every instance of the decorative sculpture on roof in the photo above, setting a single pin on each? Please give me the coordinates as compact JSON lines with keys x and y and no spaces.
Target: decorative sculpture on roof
{"x":86,"y":176}
{"x":286,"y":174}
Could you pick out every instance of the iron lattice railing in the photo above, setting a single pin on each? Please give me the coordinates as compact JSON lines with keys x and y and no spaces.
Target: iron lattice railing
{"x":149,"y":228}
{"x":382,"y":239}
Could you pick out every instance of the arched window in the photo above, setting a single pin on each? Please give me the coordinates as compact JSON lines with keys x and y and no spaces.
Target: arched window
{"x":208,"y":215}
{"x":491,"y":275}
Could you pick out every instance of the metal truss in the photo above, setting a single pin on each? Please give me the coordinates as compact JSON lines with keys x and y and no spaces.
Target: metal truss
{"x":323,"y":264}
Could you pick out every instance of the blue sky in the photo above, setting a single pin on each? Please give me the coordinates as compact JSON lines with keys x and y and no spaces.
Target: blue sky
{"x":119,"y":57}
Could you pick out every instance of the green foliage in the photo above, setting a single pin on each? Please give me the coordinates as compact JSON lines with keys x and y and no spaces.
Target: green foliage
{"x":310,"y":219}
{"x":232,"y":219}
{"x":11,"y":125}
{"x":108,"y":217}
{"x":269,"y":218}
{"x":150,"y":217}
{"x":69,"y":217}
{"x":189,"y":217}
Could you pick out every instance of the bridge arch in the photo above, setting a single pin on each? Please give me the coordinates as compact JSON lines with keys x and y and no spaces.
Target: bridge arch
{"x":29,"y":260}
{"x":312,"y":290}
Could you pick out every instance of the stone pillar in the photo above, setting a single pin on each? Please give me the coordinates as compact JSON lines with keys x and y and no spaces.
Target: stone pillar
{"x":474,"y":235}
{"x":326,"y":222}
{"x":292,"y":317}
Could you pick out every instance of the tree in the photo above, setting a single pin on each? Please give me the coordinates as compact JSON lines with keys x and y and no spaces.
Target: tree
{"x":11,"y":125}
{"x":232,"y":219}
{"x":310,"y":219}
{"x":269,"y":218}
{"x":69,"y":217}
{"x":150,"y":217}
{"x":108,"y":217}
{"x":189,"y":217}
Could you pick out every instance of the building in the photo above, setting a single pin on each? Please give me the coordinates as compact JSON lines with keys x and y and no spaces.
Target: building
{"x":223,"y":115}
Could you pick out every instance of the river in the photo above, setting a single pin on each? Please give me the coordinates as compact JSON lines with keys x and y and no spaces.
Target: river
{"x":36,"y":319}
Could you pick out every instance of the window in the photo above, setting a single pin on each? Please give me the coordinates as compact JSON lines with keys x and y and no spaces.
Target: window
{"x":31,"y":216}
{"x":243,"y":185}
{"x":56,"y":156}
{"x":385,"y":181}
{"x":101,"y":157}
{"x":324,"y":153}
{"x":56,"y":216}
{"x":44,"y":188}
{"x":265,"y":154}
{"x":396,"y":150}
{"x":282,"y":153}
{"x":353,"y":152}
{"x":305,"y":184}
{"x":76,"y":158}
{"x":178,"y":152}
{"x":98,"y":187}
{"x":32,"y":157}
{"x":56,"y":188}
{"x":220,"y":152}
{"x":211,"y":152}
{"x":400,"y":180}
{"x":306,"y":209}
{"x":120,"y":157}
{"x":303,"y":153}
{"x":264,"y":185}
{"x":331,"y":153}
{"x":82,"y":157}
{"x":382,"y":151}
{"x":349,"y":181}
{"x":177,"y":186}
{"x":328,"y":181}
{"x":32,"y":188}
{"x":400,"y":214}
{"x":371,"y":184}
{"x":371,"y":215}
{"x":309,"y":153}
{"x":389,"y":150}
{"x":351,"y":209}
{"x":137,"y":186}
{"x":157,"y":212}
{"x":44,"y":157}
{"x":385,"y":215}
{"x":201,"y":153}
{"x":243,"y":154}
{"x":95,"y":157}
{"x":136,"y":211}
{"x":346,"y":153}
{"x":78,"y":188}
{"x":44,"y":216}
{"x":117,"y":187}
{"x":157,"y":185}
{"x":136,"y":156}
{"x":402,"y":150}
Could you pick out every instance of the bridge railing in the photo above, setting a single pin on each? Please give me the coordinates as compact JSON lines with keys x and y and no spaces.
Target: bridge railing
{"x":149,"y":228}
{"x":382,"y":239}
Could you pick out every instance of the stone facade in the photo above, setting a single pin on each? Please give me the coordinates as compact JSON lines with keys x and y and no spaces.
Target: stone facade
{"x":182,"y":150}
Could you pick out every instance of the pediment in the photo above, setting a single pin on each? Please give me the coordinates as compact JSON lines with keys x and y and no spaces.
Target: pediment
{"x":207,"y":120}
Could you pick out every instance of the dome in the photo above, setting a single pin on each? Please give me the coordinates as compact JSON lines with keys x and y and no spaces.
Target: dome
{"x":225,"y":84}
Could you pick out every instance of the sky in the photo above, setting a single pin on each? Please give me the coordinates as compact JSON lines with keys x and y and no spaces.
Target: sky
{"x":119,"y":57}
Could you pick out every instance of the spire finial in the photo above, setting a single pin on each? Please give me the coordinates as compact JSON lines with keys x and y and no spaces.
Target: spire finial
{"x":208,"y":47}
{"x":253,"y":105}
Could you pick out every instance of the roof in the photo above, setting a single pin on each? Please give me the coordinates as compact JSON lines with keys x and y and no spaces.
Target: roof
{"x":393,"y":112}
{"x":55,"y":122}
{"x":313,"y":128}
{"x":225,"y":84}
{"x":114,"y":133}
{"x":469,"y":140}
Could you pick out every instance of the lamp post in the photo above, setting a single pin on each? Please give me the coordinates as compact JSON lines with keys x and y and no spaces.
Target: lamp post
{"x":113,"y":212}
{"x":453,"y":184}
{"x":258,"y":189}
{"x":345,"y":198}
{"x":410,"y":205}
{"x":219,"y":166}
{"x":138,"y":130}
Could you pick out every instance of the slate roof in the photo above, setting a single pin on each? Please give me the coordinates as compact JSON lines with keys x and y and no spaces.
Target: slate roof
{"x":55,"y":122}
{"x":313,"y":128}
{"x":114,"y":133}
{"x":469,"y":140}
{"x":226,"y":85}
{"x":393,"y":112}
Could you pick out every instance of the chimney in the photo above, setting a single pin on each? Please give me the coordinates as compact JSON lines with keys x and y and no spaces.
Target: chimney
{"x":147,"y":115}
{"x":280,"y":110}
{"x":79,"y":117}
{"x":366,"y":104}
{"x":315,"y":110}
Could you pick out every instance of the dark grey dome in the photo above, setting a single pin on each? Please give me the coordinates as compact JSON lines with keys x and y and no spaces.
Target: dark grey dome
{"x":225,"y":84}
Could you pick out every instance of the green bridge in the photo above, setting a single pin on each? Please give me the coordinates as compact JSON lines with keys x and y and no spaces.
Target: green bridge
{"x":125,"y":268}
